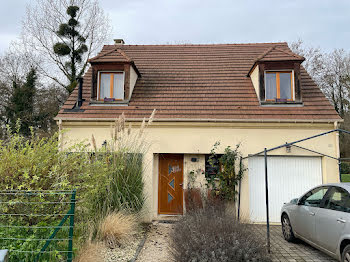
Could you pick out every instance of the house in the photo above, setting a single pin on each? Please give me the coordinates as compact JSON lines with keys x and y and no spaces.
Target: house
{"x":257,"y":94}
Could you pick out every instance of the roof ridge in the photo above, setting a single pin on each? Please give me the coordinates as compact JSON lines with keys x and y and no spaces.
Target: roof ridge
{"x":289,"y":52}
{"x":123,"y":54}
{"x":218,"y":44}
{"x":265,"y":53}
{"x":102,"y":55}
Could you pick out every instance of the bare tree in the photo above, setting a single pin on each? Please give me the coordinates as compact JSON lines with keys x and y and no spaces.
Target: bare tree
{"x":314,"y":58}
{"x":330,"y":71}
{"x":39,"y":34}
{"x":14,"y":64}
{"x":335,"y":81}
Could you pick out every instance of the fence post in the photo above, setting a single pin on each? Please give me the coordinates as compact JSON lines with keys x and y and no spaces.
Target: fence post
{"x":71,"y":227}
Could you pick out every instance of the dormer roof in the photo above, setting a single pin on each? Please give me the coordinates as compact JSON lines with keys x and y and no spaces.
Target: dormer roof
{"x":114,"y":55}
{"x":276,"y":54}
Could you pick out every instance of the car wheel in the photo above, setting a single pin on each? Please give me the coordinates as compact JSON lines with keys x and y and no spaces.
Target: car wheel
{"x":345,"y":257}
{"x":287,"y":229}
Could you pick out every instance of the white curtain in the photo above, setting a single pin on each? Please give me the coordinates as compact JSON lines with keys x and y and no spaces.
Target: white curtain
{"x":285,"y":88}
{"x":118,"y":90}
{"x":105,"y":85}
{"x":270,"y":87}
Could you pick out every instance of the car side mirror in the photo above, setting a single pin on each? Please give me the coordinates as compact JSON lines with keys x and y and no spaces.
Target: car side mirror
{"x":295,"y":201}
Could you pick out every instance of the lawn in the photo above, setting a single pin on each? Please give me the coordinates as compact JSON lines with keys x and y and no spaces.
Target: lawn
{"x":345,"y":177}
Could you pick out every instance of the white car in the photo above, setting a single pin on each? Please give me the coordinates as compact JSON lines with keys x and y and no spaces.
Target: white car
{"x":321,"y":217}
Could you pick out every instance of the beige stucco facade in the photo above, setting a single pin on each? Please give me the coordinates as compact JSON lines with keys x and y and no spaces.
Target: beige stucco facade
{"x":194,"y":139}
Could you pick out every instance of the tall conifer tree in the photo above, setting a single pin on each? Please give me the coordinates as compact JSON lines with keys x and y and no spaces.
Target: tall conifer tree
{"x":21,"y":104}
{"x":72,"y":46}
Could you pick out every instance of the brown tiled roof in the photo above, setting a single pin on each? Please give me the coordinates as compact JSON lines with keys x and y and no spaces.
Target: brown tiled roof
{"x":201,"y":82}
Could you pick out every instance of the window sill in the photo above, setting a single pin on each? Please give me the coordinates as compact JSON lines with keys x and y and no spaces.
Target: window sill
{"x":110,"y":103}
{"x":285,"y":103}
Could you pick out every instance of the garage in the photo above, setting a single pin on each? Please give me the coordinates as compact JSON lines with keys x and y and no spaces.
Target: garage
{"x":288,"y":177}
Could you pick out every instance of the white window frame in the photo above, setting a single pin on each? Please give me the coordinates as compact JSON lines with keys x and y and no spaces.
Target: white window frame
{"x":98,"y":82}
{"x":293,"y":82}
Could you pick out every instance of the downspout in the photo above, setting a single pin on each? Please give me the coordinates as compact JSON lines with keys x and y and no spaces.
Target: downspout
{"x":239,"y":193}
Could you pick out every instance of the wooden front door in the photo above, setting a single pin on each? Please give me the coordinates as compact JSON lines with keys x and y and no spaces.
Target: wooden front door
{"x":170,"y":190}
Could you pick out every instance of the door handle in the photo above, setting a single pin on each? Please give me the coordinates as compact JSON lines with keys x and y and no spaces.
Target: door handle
{"x":341,"y":220}
{"x":311,"y":213}
{"x":181,"y":185}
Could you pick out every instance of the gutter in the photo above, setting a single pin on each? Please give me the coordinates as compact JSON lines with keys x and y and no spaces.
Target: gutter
{"x":73,"y":119}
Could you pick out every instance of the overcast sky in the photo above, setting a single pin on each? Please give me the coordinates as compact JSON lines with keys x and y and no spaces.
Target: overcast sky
{"x":324,"y":23}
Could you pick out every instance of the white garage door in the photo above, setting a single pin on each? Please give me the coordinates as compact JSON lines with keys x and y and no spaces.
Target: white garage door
{"x":288,"y":178}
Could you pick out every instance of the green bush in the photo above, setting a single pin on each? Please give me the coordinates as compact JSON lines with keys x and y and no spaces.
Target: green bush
{"x":345,"y":167}
{"x":30,"y":229}
{"x":345,"y":177}
{"x":107,"y":179}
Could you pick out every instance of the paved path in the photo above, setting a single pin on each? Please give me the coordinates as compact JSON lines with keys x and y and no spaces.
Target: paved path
{"x":281,"y":250}
{"x":156,"y":247}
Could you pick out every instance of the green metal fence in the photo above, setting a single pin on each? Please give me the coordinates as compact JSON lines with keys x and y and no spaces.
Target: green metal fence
{"x":37,"y":225}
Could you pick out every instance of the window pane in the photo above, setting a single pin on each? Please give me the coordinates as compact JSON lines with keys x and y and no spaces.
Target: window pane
{"x":285,"y":86}
{"x":212,"y":165}
{"x":270,"y":86}
{"x":338,"y":199}
{"x":118,"y":90}
{"x":105,"y":85}
{"x":314,"y":197}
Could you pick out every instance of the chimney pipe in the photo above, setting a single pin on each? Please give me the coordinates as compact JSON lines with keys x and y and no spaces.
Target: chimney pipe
{"x":119,"y":42}
{"x":80,"y":92}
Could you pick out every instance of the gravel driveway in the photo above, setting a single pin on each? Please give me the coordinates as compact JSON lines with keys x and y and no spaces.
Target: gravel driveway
{"x":156,"y":247}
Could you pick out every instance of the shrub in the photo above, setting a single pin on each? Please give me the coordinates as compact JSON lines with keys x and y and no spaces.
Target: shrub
{"x":107,"y":179}
{"x":123,"y":189}
{"x":117,"y":228}
{"x":36,"y":163}
{"x":210,"y":234}
{"x":345,"y":167}
{"x":90,"y":252}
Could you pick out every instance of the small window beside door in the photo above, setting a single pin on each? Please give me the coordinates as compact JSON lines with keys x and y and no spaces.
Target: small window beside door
{"x":279,"y":86}
{"x":212,"y":165}
{"x":111,"y":86}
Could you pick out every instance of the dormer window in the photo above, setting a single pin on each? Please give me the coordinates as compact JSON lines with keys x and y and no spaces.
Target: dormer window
{"x":110,"y":86}
{"x":275,"y":76}
{"x":114,"y":76}
{"x":279,"y":86}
